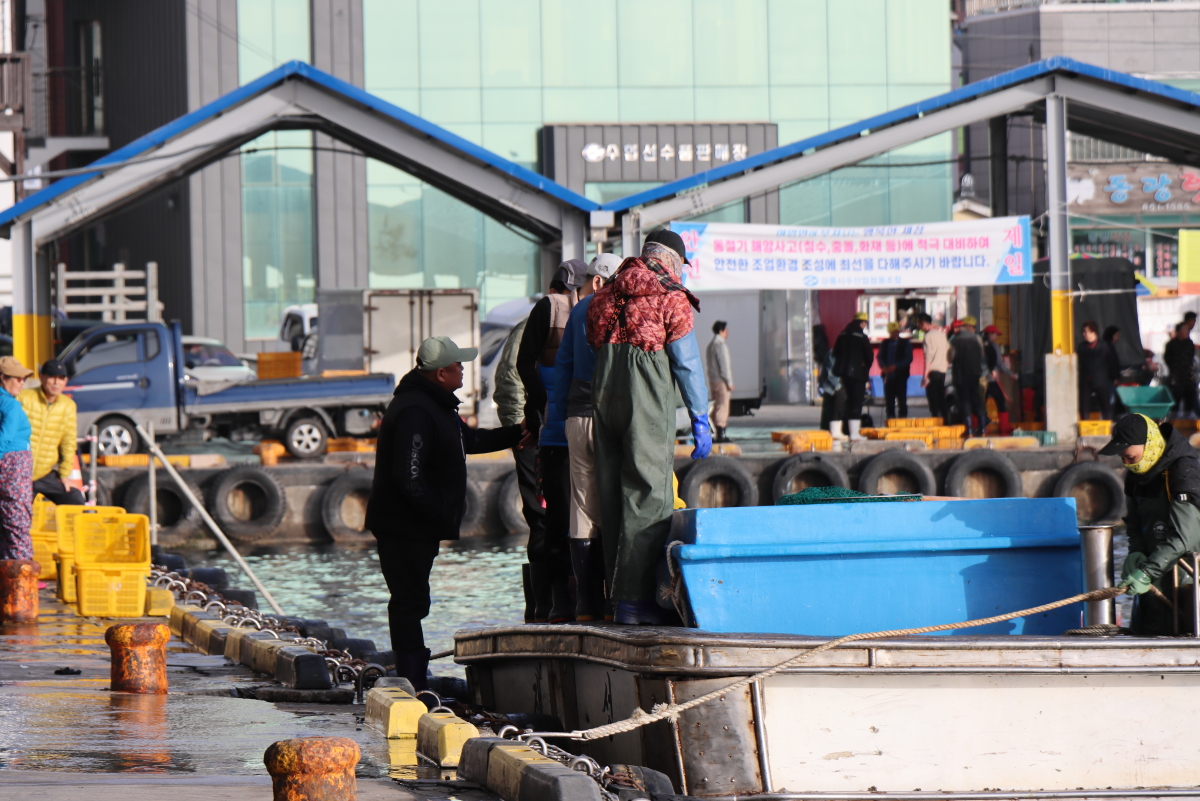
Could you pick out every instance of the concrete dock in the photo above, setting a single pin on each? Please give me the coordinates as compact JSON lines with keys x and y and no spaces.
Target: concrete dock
{"x":69,"y":737}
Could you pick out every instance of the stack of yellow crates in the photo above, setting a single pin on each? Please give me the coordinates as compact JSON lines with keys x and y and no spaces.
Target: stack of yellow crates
{"x":930,"y":430}
{"x":914,"y":422}
{"x":806,"y":440}
{"x":112,"y":561}
{"x":64,"y":558}
{"x":1095,"y":428}
{"x":919,"y":435}
{"x":44,"y":533}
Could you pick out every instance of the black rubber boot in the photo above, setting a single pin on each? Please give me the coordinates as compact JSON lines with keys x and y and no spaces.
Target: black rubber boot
{"x":587,"y":561}
{"x":414,"y":666}
{"x":527,"y":584}
{"x":562,"y":610}
{"x":720,"y":435}
{"x":539,"y":580}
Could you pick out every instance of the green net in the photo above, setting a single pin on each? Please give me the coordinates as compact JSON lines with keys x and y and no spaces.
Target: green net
{"x":813,"y":495}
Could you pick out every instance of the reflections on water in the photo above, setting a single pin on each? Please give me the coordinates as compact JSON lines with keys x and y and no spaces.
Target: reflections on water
{"x":471,"y":586}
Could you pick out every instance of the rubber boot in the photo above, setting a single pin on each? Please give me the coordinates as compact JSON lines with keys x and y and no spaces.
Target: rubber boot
{"x":414,"y":666}
{"x":835,"y":430}
{"x":1005,"y":426}
{"x":721,"y":437}
{"x":539,"y":579}
{"x":588,"y":564}
{"x":854,"y":435}
{"x":527,"y":584}
{"x":562,"y":610}
{"x":641,"y":613}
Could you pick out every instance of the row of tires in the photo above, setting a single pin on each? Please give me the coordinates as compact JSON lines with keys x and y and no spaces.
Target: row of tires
{"x":1097,"y":488}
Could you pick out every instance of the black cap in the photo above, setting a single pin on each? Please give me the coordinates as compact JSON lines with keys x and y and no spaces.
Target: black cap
{"x":53,"y":368}
{"x":672,"y":240}
{"x":1129,"y":430}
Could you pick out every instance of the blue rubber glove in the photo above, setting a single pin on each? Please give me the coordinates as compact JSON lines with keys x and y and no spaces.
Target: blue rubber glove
{"x":1136,"y":582}
{"x":702,"y":435}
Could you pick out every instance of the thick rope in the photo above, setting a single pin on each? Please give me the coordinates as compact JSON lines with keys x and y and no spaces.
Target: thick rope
{"x":672,"y":711}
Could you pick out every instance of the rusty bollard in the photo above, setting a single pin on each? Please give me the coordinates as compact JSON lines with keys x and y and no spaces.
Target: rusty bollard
{"x":18,"y":590}
{"x":139,"y":658}
{"x":313,"y":769}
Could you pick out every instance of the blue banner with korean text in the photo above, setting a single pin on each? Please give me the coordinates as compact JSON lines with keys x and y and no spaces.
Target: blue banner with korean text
{"x":981,"y":252}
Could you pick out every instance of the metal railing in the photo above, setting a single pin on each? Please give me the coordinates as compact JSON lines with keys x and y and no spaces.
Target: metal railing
{"x":976,"y":7}
{"x":56,"y":101}
{"x":14,"y":83}
{"x":114,"y":301}
{"x":1086,"y":149}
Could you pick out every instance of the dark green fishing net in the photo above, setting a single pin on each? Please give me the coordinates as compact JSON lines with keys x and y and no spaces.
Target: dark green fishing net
{"x":813,"y":495}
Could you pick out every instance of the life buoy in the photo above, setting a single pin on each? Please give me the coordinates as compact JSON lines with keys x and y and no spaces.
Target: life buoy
{"x":813,"y":469}
{"x":248,"y":503}
{"x":897,"y":461}
{"x":983,"y":460}
{"x":344,"y":507}
{"x":722,"y":469}
{"x":1101,"y":502}
{"x":178,"y":519}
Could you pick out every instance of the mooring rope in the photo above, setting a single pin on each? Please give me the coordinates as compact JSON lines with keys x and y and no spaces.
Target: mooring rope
{"x":672,"y":711}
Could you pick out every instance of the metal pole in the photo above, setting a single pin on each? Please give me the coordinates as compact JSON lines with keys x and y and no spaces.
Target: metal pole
{"x":1061,"y":327}
{"x":1097,"y":562}
{"x":93,"y":449}
{"x":1196,"y":595}
{"x":153,"y":476}
{"x":212,"y":524}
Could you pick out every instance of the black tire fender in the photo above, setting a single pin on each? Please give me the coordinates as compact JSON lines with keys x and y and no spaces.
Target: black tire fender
{"x":268,"y":503}
{"x":473,"y":506}
{"x":352,"y":483}
{"x":509,"y":502}
{"x":172,"y":503}
{"x":718,"y":467}
{"x":892,"y":461}
{"x":1100,"y":473}
{"x":803,"y":463}
{"x":984,"y":459}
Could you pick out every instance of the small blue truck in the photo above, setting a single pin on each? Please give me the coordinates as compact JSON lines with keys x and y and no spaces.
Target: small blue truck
{"x":123,"y":374}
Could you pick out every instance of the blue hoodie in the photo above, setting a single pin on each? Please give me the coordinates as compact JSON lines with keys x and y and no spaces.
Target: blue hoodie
{"x":14,"y":425}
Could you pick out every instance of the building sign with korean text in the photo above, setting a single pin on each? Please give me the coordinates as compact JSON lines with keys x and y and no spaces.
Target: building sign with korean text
{"x":1141,"y":187}
{"x":982,"y":252}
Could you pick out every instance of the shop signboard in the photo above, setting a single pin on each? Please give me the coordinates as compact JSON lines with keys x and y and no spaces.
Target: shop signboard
{"x":1140,"y":187}
{"x":982,"y":252}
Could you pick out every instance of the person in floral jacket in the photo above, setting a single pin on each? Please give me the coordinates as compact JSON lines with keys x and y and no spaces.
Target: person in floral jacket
{"x":641,"y":327}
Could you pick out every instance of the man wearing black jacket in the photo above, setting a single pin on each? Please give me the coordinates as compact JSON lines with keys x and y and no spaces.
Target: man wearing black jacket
{"x":852,"y":357}
{"x":418,"y":495}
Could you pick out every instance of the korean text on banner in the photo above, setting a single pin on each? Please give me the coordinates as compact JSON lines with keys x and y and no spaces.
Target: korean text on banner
{"x":969,"y":253}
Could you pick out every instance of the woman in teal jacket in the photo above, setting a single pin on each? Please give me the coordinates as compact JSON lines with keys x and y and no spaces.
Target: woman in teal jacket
{"x":16,"y":464}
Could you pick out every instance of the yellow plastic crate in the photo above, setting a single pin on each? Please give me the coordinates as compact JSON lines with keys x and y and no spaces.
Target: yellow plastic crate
{"x":64,"y":566}
{"x":43,"y":515}
{"x":948,"y":432}
{"x":905,"y":434}
{"x":1095,"y":428}
{"x":111,"y":591}
{"x":351,"y":445}
{"x":65,"y":517}
{"x":142,"y":460}
{"x":948,"y":443}
{"x":875,"y":433}
{"x":112,"y":540}
{"x":804,"y":441}
{"x":45,"y":543}
{"x":914,"y":422}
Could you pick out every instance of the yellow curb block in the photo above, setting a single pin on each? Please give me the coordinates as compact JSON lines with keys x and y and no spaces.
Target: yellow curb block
{"x":262,"y":654}
{"x":159,"y":602}
{"x":394,"y":712}
{"x":177,"y":613}
{"x":441,"y":735}
{"x":506,"y":763}
{"x":204,"y":632}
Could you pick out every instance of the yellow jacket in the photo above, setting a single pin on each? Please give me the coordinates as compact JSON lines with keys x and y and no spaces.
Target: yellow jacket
{"x":52,"y":436}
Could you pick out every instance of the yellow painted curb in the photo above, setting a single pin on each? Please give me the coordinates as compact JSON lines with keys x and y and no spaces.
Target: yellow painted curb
{"x":159,"y":602}
{"x":441,"y":735}
{"x":262,"y":654}
{"x":204,"y":630}
{"x":177,"y":613}
{"x":393,"y":712}
{"x":506,"y":763}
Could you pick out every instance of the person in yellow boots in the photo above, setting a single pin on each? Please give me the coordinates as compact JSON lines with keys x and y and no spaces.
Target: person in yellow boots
{"x":51,"y":415}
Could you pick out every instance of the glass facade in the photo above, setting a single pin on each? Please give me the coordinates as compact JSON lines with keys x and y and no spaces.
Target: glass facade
{"x":495,"y":71}
{"x":277,"y":176}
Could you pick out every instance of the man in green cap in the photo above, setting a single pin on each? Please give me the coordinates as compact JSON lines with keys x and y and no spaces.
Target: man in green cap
{"x":1162,"y":502}
{"x":418,"y":495}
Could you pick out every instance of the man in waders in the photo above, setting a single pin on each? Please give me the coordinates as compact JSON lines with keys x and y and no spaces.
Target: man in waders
{"x":418,"y":495}
{"x":1162,"y":499}
{"x":641,"y":326}
{"x":852,"y":357}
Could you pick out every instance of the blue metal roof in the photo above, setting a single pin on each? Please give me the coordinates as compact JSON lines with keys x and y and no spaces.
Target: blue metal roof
{"x":293,"y":70}
{"x":970,"y":91}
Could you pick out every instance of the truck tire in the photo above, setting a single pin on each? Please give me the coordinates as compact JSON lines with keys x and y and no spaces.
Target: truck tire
{"x":897,"y":461}
{"x":817,"y":472}
{"x":1099,"y":495}
{"x":511,"y":508}
{"x":732,"y":477}
{"x":306,"y":438}
{"x":117,"y":437}
{"x":472,"y":511}
{"x":178,"y":519}
{"x":982,"y":460}
{"x":248,"y":503}
{"x":344,"y":507}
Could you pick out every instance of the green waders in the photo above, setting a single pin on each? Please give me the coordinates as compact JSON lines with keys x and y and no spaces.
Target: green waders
{"x":1160,"y":521}
{"x":633,"y":408}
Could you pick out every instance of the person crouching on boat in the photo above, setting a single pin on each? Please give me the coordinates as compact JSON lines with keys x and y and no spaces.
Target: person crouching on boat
{"x":1162,"y":501}
{"x":641,"y":327}
{"x":419,"y":491}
